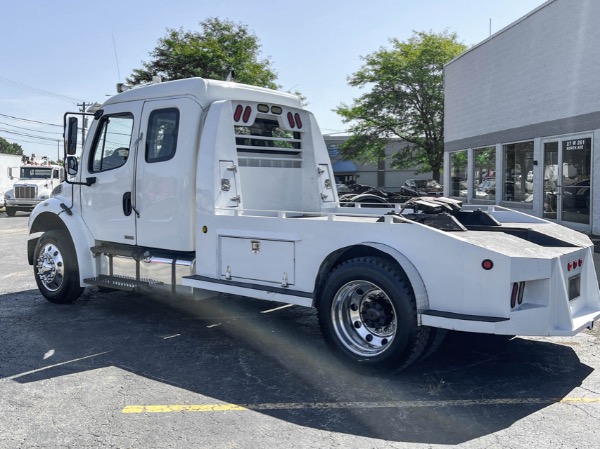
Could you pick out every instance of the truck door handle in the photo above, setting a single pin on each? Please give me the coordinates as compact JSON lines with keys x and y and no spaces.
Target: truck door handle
{"x":127,"y":207}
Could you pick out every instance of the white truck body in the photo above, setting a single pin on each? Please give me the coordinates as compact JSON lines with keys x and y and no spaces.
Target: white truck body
{"x":6,"y":162}
{"x":222,"y":187}
{"x":32,"y":184}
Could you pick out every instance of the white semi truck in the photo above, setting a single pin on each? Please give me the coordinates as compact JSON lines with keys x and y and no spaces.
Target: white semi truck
{"x":198,"y":187}
{"x":33,"y":183}
{"x":6,"y":162}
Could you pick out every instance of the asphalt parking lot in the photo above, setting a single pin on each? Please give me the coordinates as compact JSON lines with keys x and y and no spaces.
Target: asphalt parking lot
{"x":127,"y":371}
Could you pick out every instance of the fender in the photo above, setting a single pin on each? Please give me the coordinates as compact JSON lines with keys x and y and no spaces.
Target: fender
{"x":50,"y":215}
{"x":418,"y":286}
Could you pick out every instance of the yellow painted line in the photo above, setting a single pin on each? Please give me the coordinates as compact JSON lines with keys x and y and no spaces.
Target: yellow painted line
{"x":349,"y":405}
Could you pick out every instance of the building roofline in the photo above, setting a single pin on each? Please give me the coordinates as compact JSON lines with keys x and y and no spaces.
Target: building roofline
{"x":497,"y":33}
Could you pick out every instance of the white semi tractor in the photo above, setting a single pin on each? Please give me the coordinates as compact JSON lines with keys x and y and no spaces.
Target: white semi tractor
{"x":198,"y":187}
{"x":33,"y":183}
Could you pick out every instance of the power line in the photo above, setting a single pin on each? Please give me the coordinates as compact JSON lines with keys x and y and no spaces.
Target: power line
{"x":30,"y":121}
{"x":31,"y":141}
{"x":38,"y":91}
{"x":30,"y":129}
{"x":27,"y":135}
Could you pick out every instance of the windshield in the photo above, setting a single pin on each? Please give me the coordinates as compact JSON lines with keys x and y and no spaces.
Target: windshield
{"x":36,"y":172}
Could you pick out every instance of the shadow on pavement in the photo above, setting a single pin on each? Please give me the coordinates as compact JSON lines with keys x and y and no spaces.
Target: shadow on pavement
{"x":226,"y":349}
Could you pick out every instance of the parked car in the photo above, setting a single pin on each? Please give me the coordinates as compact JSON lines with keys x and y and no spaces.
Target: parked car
{"x":577,"y":195}
{"x":487,"y":190}
{"x":421,"y":187}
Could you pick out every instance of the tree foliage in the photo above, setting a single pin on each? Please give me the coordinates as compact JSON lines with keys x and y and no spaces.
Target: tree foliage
{"x":405,"y":100}
{"x":10,"y":148}
{"x":220,"y":47}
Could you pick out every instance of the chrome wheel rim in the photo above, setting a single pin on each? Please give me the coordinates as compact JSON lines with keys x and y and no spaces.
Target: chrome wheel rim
{"x":50,"y":267}
{"x":364,"y":318}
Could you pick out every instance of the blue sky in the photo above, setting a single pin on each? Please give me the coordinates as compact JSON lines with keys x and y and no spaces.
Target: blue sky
{"x":66,"y":48}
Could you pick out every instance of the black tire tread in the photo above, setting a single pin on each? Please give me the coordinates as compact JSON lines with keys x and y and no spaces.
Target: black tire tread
{"x":420,"y":338}
{"x":72,"y":289}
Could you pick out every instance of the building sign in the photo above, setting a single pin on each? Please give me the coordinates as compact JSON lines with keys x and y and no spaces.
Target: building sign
{"x":333,"y":150}
{"x":578,"y":144}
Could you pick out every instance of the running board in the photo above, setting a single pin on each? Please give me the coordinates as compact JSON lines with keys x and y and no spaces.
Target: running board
{"x":124,"y":283}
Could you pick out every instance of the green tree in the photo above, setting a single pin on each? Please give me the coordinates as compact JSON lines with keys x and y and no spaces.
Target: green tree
{"x":10,"y":148}
{"x":405,"y":100}
{"x":220,"y":47}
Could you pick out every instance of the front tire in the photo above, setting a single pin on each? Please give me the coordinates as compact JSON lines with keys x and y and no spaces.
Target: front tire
{"x":11,"y":211}
{"x":55,"y":267}
{"x":367,"y":313}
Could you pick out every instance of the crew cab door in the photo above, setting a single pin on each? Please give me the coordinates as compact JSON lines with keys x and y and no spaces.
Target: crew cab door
{"x":107,"y":205}
{"x":166,"y":174}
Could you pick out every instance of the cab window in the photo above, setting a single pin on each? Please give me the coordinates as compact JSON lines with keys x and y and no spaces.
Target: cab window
{"x":111,"y":143}
{"x":163,"y":129}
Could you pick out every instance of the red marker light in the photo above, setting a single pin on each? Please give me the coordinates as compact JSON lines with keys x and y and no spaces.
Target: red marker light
{"x":247,"y":113}
{"x":513,"y":296}
{"x":487,"y":264}
{"x":574,"y":264}
{"x":580,"y":262}
{"x":238,"y":113}
{"x":290,"y":118}
{"x":569,"y":266}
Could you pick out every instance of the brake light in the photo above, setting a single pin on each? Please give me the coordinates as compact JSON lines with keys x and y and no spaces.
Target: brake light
{"x":298,"y":121}
{"x":513,"y":296}
{"x":521,"y":291}
{"x":238,"y":113}
{"x":290,"y":118}
{"x":247,"y":113}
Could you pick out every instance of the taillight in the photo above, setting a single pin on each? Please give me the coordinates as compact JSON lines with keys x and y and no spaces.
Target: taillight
{"x":516,"y":295}
{"x":238,"y":113}
{"x":247,"y":113}
{"x":290,"y":118}
{"x":298,"y":121}
{"x":513,"y":296}
{"x":521,"y":291}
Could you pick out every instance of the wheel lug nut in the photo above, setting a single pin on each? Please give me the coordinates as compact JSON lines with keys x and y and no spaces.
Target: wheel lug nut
{"x":369,"y":338}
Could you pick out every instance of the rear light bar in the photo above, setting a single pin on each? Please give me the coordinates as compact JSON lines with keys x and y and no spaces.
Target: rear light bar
{"x":575,"y":264}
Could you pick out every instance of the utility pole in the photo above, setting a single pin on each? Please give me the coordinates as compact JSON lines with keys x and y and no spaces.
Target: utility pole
{"x":82,"y":106}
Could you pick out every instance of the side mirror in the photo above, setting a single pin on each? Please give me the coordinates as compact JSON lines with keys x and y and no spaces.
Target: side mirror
{"x":72,"y":136}
{"x":72,"y":165}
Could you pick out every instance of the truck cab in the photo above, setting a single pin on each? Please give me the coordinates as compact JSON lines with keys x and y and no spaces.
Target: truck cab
{"x":34,"y":184}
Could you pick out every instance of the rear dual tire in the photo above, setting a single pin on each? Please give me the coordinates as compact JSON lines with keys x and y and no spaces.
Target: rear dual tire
{"x":367,"y":314}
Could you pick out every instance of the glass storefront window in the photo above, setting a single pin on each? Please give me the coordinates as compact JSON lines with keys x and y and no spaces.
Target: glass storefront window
{"x":518,"y":172}
{"x":458,"y":174}
{"x":484,"y":175}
